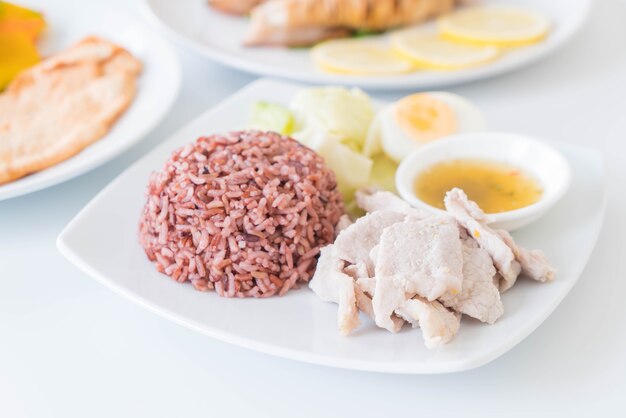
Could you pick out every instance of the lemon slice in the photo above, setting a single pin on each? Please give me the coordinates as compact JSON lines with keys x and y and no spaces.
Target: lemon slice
{"x":358,"y":57}
{"x":426,"y":49}
{"x":495,"y":25}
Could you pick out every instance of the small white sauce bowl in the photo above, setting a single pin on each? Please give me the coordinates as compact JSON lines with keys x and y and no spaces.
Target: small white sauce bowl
{"x":534,"y":157}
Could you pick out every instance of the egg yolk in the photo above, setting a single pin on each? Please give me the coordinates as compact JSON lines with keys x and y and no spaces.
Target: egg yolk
{"x":425,"y":118}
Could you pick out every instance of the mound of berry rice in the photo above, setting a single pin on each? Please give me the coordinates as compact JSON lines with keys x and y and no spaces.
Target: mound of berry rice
{"x":244,"y":214}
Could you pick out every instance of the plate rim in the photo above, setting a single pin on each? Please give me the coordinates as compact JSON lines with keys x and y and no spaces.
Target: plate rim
{"x":293,"y":354}
{"x":390,"y":84}
{"x":142,"y":132}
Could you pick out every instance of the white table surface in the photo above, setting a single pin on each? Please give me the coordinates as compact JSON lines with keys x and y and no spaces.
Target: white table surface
{"x":71,"y":348}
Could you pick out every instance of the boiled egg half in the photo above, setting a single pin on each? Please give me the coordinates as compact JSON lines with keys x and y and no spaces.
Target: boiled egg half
{"x":421,"y":118}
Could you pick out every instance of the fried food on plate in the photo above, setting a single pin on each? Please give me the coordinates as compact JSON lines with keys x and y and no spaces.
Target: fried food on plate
{"x":306,"y":22}
{"x":53,"y":110}
{"x":236,"y":7}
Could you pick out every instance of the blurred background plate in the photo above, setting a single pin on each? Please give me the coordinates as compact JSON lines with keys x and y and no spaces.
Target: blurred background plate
{"x":158,"y":87}
{"x":219,"y":37}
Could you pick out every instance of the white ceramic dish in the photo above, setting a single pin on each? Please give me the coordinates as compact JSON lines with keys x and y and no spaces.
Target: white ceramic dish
{"x":219,"y":37}
{"x":158,"y":87}
{"x":536,"y":158}
{"x":102,"y":241}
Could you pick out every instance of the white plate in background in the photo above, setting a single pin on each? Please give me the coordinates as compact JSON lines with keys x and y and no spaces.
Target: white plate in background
{"x":102,"y":241}
{"x":219,"y":37}
{"x":157,"y":88}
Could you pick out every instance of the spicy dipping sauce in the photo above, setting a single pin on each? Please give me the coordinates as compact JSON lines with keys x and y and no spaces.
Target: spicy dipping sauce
{"x":495,"y":186}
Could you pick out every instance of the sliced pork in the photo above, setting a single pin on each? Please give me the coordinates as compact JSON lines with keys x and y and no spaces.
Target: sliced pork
{"x":438,"y":324}
{"x":479,"y":297}
{"x":474,"y":220}
{"x":371,"y":200}
{"x":365,"y":287}
{"x":425,"y":256}
{"x":398,"y":264}
{"x":422,"y":258}
{"x":534,"y":263}
{"x":331,"y":284}
{"x":354,"y":244}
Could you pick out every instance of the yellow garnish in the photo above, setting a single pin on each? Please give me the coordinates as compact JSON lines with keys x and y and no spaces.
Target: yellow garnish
{"x":16,"y":19}
{"x":19,"y":29}
{"x":17,"y":52}
{"x":503,"y":26}
{"x":476,"y":234}
{"x":427,"y":50}
{"x":358,"y":57}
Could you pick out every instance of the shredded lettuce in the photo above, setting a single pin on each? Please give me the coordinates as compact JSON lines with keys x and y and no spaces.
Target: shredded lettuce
{"x":383,"y":174}
{"x":336,"y":111}
{"x":271,"y":117}
{"x":351,"y":168}
{"x":373,"y":145}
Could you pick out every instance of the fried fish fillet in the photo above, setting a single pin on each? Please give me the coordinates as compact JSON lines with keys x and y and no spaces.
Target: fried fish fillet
{"x":236,"y":7}
{"x":306,"y":22}
{"x":53,"y":110}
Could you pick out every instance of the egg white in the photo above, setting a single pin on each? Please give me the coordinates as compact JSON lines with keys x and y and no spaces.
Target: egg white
{"x":397,"y":144}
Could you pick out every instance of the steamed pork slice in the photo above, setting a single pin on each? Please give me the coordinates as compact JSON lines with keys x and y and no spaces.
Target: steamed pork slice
{"x":479,"y":297}
{"x":425,"y":254}
{"x":374,"y":253}
{"x":332,"y":285}
{"x":357,"y":271}
{"x":364,"y":290}
{"x":55,"y":109}
{"x":389,"y":295}
{"x":472,"y":218}
{"x":367,"y":284}
{"x":305,"y":22}
{"x":422,"y":258}
{"x":344,"y":223}
{"x":364,"y":286}
{"x":364,"y":303}
{"x":355,"y":242}
{"x":438,"y":324}
{"x":371,"y":200}
{"x":534,"y":263}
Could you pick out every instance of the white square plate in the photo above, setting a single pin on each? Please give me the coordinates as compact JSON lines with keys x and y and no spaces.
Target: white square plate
{"x":158,"y":87}
{"x":102,"y":241}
